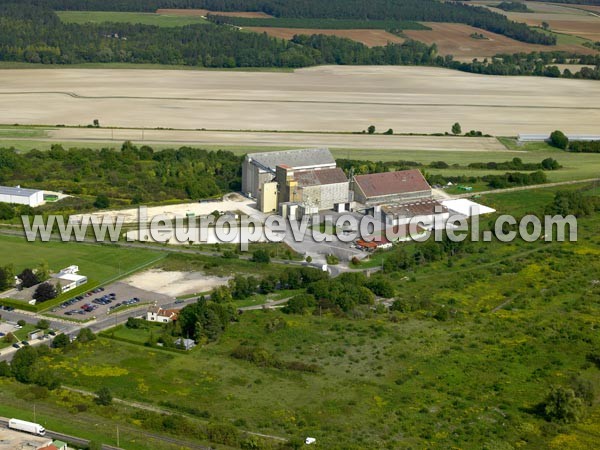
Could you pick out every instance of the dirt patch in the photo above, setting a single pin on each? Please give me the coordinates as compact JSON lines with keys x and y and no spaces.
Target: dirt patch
{"x":204,"y":12}
{"x":455,"y":39}
{"x":174,"y":283}
{"x":371,"y":38}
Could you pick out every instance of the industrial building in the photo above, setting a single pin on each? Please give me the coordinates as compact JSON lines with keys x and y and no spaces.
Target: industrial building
{"x":301,"y":180}
{"x":391,"y":187}
{"x":424,"y":212}
{"x":21,"y":196}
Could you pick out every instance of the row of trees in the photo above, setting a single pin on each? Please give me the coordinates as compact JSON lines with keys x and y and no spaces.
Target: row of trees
{"x":559,"y":140}
{"x":518,"y":164}
{"x":511,"y":179}
{"x":359,"y":167}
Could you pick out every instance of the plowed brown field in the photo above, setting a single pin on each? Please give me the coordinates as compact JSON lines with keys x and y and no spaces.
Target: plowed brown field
{"x":371,"y":38}
{"x":455,"y":39}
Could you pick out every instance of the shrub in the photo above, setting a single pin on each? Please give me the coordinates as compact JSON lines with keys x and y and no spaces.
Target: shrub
{"x":261,"y":256}
{"x":104,"y":396}
{"x":61,"y":341}
{"x":563,"y":406}
{"x":559,"y":140}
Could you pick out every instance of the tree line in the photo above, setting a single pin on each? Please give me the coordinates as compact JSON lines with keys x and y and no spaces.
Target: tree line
{"x":559,"y":140}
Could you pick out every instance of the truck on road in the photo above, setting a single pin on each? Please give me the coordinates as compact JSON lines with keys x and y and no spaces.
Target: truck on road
{"x":27,"y":427}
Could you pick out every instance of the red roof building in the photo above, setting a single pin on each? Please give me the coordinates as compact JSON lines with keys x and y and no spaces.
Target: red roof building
{"x":391,"y":187}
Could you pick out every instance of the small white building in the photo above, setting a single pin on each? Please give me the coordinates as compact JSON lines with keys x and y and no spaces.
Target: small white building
{"x":69,"y":279}
{"x":159,"y":315}
{"x":20,"y":196}
{"x":186,"y":344}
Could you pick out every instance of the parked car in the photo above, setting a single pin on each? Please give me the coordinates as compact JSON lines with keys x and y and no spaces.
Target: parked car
{"x":15,"y":345}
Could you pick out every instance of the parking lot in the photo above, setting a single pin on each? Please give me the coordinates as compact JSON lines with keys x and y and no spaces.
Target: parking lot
{"x":8,"y":327}
{"x":104,"y":300}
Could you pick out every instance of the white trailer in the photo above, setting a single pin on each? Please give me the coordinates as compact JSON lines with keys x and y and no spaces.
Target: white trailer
{"x":27,"y":427}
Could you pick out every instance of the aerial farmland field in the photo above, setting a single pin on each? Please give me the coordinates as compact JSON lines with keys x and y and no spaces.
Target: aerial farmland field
{"x":455,"y":39}
{"x":370,"y":38}
{"x":326,"y":98}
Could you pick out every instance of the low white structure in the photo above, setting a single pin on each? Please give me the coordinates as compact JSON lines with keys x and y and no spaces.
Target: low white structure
{"x":467,"y":208}
{"x":69,"y":279}
{"x":159,"y":315}
{"x":186,"y":344}
{"x":20,"y":196}
{"x":546,"y":137}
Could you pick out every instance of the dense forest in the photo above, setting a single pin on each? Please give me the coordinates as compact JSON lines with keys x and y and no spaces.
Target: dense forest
{"x":34,"y":34}
{"x":513,"y":6}
{"x":131,"y":175}
{"x":402,"y":10}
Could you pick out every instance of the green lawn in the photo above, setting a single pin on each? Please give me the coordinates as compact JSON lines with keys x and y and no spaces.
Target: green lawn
{"x":100,"y":262}
{"x":161,"y":20}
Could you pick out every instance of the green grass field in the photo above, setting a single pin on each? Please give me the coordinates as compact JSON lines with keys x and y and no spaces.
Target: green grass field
{"x":100,"y":262}
{"x":161,"y":20}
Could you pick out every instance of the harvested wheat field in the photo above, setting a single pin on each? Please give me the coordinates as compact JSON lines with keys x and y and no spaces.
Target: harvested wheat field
{"x":562,"y":19}
{"x":587,"y":30}
{"x":592,"y":8}
{"x":204,"y":12}
{"x":325,"y":98}
{"x":371,"y":38}
{"x":455,"y":39}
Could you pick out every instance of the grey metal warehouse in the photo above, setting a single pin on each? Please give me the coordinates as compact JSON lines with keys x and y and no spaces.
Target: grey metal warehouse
{"x":260,"y":168}
{"x":20,"y":196}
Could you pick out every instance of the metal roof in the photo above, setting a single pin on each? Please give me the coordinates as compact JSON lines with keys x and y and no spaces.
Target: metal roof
{"x":422,"y":208}
{"x":390,"y":183}
{"x":545,"y":137}
{"x":17,"y":191}
{"x":295,"y":159}
{"x":321,"y":177}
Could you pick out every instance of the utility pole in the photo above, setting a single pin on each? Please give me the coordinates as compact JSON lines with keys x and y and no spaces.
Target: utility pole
{"x":117,"y":435}
{"x":34,"y":413}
